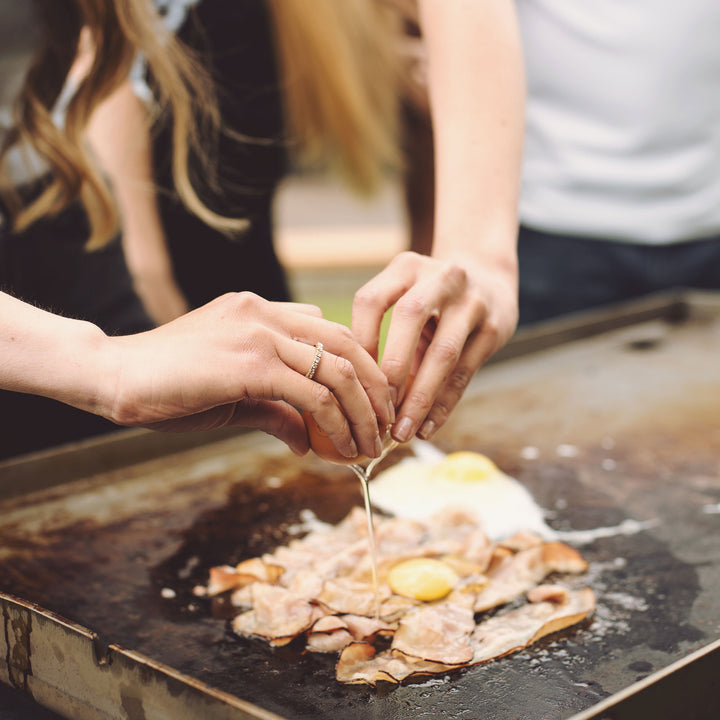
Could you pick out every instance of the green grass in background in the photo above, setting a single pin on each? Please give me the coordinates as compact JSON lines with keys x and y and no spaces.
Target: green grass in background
{"x":332,"y":290}
{"x":338,"y":308}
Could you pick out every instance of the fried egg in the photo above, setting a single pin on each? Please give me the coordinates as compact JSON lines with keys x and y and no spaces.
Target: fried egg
{"x":418,"y":487}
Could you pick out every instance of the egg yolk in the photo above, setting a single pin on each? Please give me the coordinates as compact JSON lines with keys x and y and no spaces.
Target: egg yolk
{"x":422,"y":579}
{"x":465,"y":467}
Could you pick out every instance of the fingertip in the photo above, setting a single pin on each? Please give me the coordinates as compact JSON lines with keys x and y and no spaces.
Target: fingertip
{"x":393,"y":398}
{"x":427,"y":430}
{"x":402,"y":431}
{"x":299,"y":450}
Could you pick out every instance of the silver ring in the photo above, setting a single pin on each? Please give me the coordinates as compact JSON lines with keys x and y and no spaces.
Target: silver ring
{"x":316,"y":361}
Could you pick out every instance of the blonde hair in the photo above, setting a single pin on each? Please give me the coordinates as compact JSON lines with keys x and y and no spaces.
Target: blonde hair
{"x":341,"y":74}
{"x":118,"y":30}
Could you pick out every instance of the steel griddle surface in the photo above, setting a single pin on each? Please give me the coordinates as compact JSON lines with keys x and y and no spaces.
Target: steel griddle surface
{"x":626,"y":426}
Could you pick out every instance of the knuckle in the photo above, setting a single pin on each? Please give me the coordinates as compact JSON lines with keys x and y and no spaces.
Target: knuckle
{"x":346,"y":336}
{"x":441,"y":410}
{"x":476,"y":306}
{"x":491,"y":329}
{"x":407,"y":257}
{"x":322,"y":397}
{"x":420,"y":399}
{"x":313,"y":310}
{"x":255,"y":336}
{"x":446,"y":350}
{"x":410,"y":307}
{"x":459,"y":379}
{"x":244,"y":301}
{"x":366,"y":298}
{"x":345,"y":369}
{"x":454,"y":274}
{"x":392,"y":367}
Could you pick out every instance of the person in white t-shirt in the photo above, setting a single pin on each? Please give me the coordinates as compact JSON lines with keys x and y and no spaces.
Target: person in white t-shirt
{"x":621,"y":177}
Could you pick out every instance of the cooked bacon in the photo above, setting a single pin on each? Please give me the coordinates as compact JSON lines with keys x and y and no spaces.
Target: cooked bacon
{"x":242,"y":597}
{"x":462,"y":566}
{"x":394,"y":607}
{"x":560,"y":557}
{"x":548,"y":593}
{"x":359,"y":663}
{"x":277,"y":615}
{"x":518,"y":573}
{"x":521,"y":540}
{"x":498,"y":556}
{"x":439,"y":632}
{"x":329,"y":634}
{"x":496,"y":637}
{"x":222,"y":578}
{"x":257,"y":569}
{"x":516,"y":629}
{"x":363,"y":628}
{"x":225,"y":577}
{"x":320,"y":587}
{"x":344,"y":595}
{"x":304,"y":583}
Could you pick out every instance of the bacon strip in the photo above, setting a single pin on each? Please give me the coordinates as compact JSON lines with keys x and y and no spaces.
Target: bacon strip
{"x":494,"y":638}
{"x":319,"y":588}
{"x":516,"y":574}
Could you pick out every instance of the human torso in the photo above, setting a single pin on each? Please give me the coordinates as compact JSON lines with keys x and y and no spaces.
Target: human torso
{"x":623,"y":118}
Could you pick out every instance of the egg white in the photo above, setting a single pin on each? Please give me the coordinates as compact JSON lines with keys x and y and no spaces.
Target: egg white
{"x":417,"y":488}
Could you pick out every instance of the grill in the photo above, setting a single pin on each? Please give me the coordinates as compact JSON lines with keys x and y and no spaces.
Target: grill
{"x":622,"y":411}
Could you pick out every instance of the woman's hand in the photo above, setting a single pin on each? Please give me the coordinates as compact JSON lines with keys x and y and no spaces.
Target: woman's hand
{"x":449,"y":317}
{"x":241,"y":360}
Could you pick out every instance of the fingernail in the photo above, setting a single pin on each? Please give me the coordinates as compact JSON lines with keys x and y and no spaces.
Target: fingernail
{"x":353,"y":452}
{"x":393,"y":396}
{"x":391,"y":412}
{"x":378,"y":446}
{"x":427,"y":430}
{"x":403,"y":430}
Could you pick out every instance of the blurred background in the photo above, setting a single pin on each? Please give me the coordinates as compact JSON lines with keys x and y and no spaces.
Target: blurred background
{"x":332,"y":241}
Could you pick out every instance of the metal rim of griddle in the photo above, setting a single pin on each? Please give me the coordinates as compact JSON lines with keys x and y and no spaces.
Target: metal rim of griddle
{"x":185,"y":697}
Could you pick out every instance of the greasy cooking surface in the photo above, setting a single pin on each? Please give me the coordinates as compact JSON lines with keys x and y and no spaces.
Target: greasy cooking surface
{"x":625,"y":425}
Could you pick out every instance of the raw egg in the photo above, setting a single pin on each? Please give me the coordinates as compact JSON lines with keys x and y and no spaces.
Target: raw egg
{"x":417,"y":488}
{"x":323,"y":446}
{"x":422,"y":579}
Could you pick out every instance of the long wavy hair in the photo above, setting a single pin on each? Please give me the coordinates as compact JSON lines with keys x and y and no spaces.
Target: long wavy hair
{"x":117,"y":30}
{"x":343,"y":77}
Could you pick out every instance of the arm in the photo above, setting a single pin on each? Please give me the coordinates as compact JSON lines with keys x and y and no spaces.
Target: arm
{"x":120,"y":138}
{"x":454,"y":309}
{"x":239,"y":360}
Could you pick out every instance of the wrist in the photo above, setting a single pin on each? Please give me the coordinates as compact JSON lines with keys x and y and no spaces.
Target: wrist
{"x":84,"y":369}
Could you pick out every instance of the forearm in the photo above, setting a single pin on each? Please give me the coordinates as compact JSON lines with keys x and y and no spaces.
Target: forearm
{"x":476,"y":85}
{"x":120,"y":137}
{"x":53,"y":356}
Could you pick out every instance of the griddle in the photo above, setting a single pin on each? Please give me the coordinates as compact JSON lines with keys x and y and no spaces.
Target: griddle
{"x":607,"y":418}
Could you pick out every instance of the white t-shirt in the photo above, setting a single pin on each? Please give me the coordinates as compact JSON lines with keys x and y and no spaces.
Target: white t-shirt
{"x":623,"y":118}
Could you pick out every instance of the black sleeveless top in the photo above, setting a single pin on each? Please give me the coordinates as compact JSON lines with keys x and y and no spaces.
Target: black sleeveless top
{"x":235,"y":40}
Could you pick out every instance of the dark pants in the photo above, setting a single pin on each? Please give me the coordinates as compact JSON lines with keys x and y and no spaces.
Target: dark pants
{"x":48,"y":266}
{"x":562,"y":274}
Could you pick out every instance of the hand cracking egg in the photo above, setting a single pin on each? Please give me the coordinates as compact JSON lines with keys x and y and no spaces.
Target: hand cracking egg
{"x":417,"y":488}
